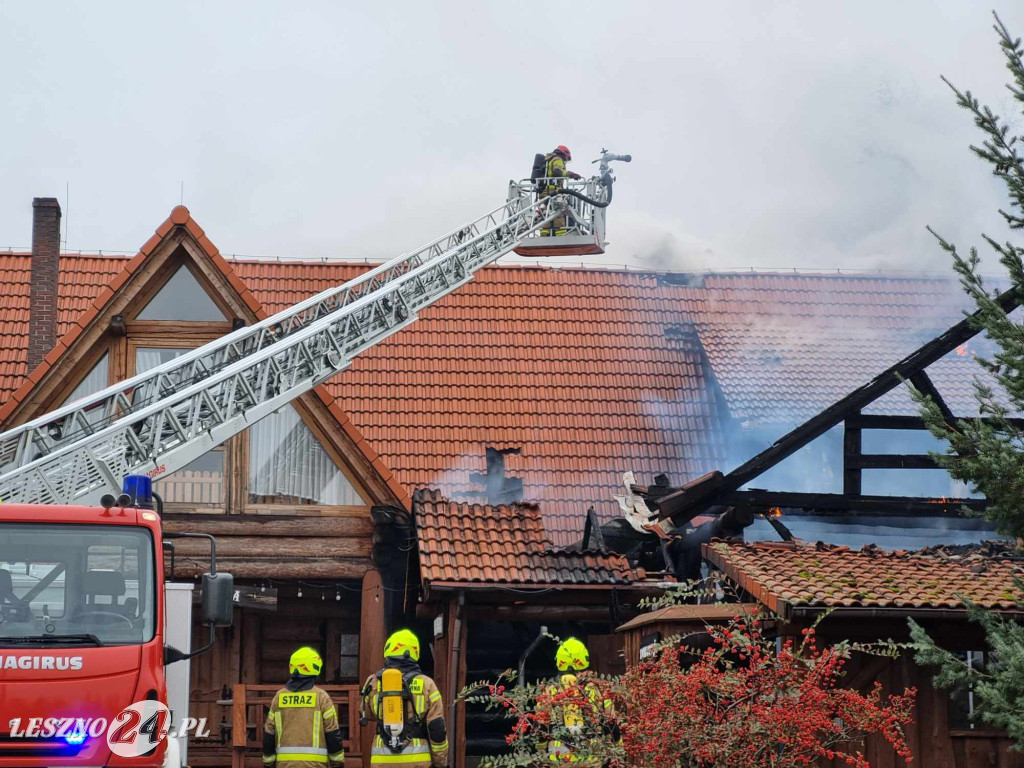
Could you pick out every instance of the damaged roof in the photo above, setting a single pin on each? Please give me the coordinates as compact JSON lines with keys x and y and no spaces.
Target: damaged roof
{"x":468,"y":543}
{"x":785,"y":347}
{"x":790,"y":575}
{"x":589,"y":373}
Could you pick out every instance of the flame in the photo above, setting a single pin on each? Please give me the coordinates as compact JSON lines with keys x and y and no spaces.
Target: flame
{"x":775,"y":512}
{"x":943,"y":500}
{"x":962,"y":349}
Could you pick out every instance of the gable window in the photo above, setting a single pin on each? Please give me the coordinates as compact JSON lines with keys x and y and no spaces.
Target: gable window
{"x":199,"y":484}
{"x":148,"y":358}
{"x":181,"y":298}
{"x":94,"y":381}
{"x":287,"y":465}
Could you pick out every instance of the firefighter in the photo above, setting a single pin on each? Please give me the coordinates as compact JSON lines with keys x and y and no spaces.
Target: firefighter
{"x":407,"y":708}
{"x":302,"y":725}
{"x":554,"y":171}
{"x":571,"y":657}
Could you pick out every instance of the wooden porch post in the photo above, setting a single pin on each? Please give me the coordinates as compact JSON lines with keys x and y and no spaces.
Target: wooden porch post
{"x":371,"y":641}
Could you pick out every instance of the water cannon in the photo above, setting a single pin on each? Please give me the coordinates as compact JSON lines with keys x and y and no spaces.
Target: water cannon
{"x":608,"y":157}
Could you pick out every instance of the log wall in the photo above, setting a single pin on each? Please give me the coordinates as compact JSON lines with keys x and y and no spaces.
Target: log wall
{"x":255,"y":650}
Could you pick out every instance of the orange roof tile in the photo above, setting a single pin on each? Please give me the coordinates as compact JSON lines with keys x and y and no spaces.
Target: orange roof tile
{"x":786,"y":575}
{"x":476,"y":543}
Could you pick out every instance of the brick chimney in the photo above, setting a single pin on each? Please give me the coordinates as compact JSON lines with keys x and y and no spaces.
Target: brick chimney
{"x":42,"y":324}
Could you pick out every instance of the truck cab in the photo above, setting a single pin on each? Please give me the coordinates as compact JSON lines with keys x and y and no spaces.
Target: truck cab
{"x":82,"y":619}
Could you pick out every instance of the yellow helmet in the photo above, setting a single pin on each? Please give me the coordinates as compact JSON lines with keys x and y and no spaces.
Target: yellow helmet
{"x":305,"y":661}
{"x":572,"y":654}
{"x":402,"y":643}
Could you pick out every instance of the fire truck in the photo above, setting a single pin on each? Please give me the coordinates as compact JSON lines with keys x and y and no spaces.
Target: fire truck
{"x":90,"y":626}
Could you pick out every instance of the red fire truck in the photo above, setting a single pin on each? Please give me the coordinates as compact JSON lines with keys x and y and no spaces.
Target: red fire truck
{"x":83,"y":634}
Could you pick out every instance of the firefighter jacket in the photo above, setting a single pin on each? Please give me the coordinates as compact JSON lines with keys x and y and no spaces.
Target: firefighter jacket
{"x":424,"y":737}
{"x":575,"y":719}
{"x":302,"y":727}
{"x":554,"y":168}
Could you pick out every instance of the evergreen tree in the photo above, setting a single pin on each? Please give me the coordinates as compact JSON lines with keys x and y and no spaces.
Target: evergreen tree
{"x":988,"y":452}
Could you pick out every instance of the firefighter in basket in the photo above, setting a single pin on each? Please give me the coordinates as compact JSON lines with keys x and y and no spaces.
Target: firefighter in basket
{"x":302,"y":725}
{"x":407,"y":708}
{"x":554,"y":172}
{"x":571,"y":657}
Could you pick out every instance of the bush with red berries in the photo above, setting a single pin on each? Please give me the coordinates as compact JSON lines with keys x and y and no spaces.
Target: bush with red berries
{"x":744,"y":700}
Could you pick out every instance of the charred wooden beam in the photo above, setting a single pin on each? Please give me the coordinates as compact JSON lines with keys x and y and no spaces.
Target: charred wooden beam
{"x":922,"y":381}
{"x":890,"y":461}
{"x":837,"y":503}
{"x":864,"y":421}
{"x":592,"y":537}
{"x":692,"y":502}
{"x":686,"y":549}
{"x":852,"y":474}
{"x":780,"y":528}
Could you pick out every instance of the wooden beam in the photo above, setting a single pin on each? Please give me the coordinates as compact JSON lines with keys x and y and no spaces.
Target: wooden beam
{"x":371,"y":640}
{"x":890,"y":461}
{"x":256,"y":547}
{"x":266,"y":526}
{"x":911,"y":506}
{"x":851,"y":450}
{"x":865,"y":421}
{"x":703,"y":496}
{"x":922,"y":381}
{"x":275,"y":568}
{"x":535,"y":613}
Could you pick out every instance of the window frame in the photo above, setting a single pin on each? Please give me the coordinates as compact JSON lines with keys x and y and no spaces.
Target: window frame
{"x":170,"y":339}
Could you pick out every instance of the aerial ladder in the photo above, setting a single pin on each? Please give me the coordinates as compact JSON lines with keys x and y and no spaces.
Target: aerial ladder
{"x":158,"y":422}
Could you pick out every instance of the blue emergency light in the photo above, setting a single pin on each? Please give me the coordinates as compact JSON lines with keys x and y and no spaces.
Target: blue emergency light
{"x":77,"y":737}
{"x":140,"y":489}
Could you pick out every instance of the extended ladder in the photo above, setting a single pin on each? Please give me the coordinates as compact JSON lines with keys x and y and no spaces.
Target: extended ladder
{"x":157,"y":422}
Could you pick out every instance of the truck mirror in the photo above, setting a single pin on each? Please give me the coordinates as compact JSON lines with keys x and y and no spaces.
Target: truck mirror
{"x":217,"y":604}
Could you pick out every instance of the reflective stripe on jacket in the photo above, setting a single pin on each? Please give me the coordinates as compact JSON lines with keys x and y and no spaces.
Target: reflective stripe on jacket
{"x":424,"y":718}
{"x":554,"y":168}
{"x":303,"y":723}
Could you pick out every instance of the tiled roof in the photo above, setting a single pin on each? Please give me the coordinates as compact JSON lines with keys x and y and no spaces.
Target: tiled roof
{"x":462,"y":542}
{"x":787,"y":575}
{"x":784,"y":347}
{"x":81,"y":278}
{"x":577,"y":368}
{"x":588,"y":372}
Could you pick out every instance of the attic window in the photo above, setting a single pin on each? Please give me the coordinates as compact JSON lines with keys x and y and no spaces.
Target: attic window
{"x":182,"y":298}
{"x":501,"y":489}
{"x":287,"y":465}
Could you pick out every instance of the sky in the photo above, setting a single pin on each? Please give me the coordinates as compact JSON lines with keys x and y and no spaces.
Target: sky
{"x":766,"y":135}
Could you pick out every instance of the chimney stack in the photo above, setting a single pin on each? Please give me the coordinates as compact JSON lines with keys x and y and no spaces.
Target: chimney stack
{"x":42,"y":324}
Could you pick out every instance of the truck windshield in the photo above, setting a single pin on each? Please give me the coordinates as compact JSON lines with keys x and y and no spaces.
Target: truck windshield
{"x":89,"y":584}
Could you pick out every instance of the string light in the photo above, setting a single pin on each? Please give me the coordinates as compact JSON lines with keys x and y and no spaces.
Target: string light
{"x":337,"y":595}
{"x":300,"y":592}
